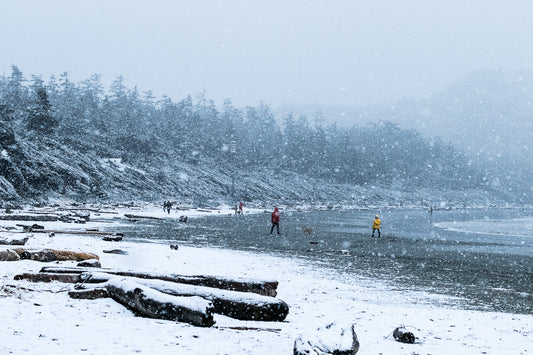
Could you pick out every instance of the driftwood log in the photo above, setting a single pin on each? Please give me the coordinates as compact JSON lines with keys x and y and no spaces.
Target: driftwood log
{"x":112,"y":239}
{"x":46,"y":255}
{"x":154,"y":304}
{"x":14,"y":241}
{"x":138,"y":295}
{"x":33,"y":218}
{"x":265,"y":288}
{"x":234,"y":304}
{"x":238,"y":305}
{"x":115,"y":251}
{"x":89,"y":294}
{"x":77,"y":232}
{"x":141,"y":299}
{"x":90,"y":263}
{"x":127,"y":215}
{"x":45,"y":217}
{"x":330,"y":339}
{"x":47,"y":277}
{"x":9,"y":255}
{"x":403,"y":335}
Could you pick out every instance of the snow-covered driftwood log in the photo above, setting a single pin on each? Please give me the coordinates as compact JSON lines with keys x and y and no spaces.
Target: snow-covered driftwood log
{"x":14,"y":241}
{"x":154,"y":304}
{"x":403,"y":335}
{"x":48,"y":277}
{"x":330,"y":339}
{"x":265,"y":288}
{"x":9,"y":255}
{"x":32,"y":218}
{"x":46,"y":217}
{"x":238,"y":305}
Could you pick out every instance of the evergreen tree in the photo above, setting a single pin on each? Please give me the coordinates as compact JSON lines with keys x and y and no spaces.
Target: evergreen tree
{"x":40,"y":116}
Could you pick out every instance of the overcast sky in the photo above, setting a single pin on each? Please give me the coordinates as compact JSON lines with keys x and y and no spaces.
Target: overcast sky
{"x":296,"y":52}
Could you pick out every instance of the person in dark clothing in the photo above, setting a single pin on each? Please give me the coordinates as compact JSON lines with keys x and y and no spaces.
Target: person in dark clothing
{"x":167,"y":206}
{"x":275,"y":220}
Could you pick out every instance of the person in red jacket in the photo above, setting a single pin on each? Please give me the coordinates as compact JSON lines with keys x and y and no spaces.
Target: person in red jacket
{"x":275,"y":220}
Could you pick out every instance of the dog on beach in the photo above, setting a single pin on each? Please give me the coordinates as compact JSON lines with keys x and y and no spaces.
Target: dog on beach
{"x":306,"y":229}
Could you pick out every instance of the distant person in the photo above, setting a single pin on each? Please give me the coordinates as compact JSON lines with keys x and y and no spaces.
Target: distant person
{"x":275,"y":220}
{"x":375,"y":226}
{"x":236,"y":208}
{"x":240,"y":207}
{"x":169,"y":206}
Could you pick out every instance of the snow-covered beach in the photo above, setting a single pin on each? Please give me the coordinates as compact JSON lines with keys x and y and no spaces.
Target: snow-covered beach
{"x":42,"y":318}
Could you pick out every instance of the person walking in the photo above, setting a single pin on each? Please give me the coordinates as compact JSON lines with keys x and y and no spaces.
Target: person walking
{"x":275,"y":220}
{"x":240,"y":207}
{"x":375,"y":226}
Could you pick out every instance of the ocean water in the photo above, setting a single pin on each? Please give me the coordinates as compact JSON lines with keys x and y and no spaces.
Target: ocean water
{"x":482,"y":256}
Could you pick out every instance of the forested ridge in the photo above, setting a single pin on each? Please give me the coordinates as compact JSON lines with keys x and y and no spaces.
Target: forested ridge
{"x":84,"y":139}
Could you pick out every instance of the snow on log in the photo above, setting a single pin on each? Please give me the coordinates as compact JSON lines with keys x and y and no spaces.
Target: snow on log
{"x":330,"y":339}
{"x":154,"y":304}
{"x":403,"y":335}
{"x":90,"y":263}
{"x":265,"y":288}
{"x":238,"y":305}
{"x":14,"y":241}
{"x":49,"y":277}
{"x":32,"y":218}
{"x":9,"y":255}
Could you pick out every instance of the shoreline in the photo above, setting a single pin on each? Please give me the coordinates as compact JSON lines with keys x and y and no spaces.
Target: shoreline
{"x":316,"y":296}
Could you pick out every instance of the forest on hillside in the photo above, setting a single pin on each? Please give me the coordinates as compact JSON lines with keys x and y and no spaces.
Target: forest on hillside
{"x":121,"y":122}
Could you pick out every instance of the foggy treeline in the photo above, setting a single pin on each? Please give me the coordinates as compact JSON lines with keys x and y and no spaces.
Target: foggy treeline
{"x":122,"y":122}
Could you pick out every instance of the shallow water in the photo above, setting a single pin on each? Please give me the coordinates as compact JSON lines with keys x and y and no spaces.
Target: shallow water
{"x":482,"y":255}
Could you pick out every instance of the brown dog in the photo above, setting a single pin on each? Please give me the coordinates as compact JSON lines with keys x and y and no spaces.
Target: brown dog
{"x":306,"y":229}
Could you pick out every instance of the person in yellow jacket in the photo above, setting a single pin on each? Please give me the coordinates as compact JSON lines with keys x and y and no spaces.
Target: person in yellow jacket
{"x":375,"y":226}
